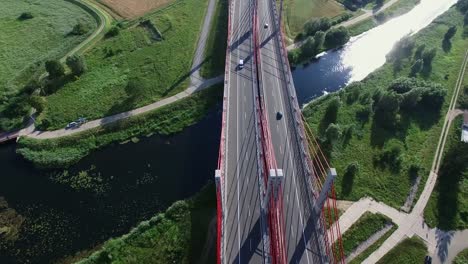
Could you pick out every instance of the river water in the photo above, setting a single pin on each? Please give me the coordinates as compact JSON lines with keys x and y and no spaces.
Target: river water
{"x":364,"y":53}
{"x":141,"y":179}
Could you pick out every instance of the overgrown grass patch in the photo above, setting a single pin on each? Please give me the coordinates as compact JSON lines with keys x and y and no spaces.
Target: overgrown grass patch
{"x":448,"y":206}
{"x":25,"y":44}
{"x":409,"y":251}
{"x":366,"y":253}
{"x":215,"y":51}
{"x":159,"y":68}
{"x":176,"y":236}
{"x":367,"y":225}
{"x":65,"y":151}
{"x":462,"y":257}
{"x":364,"y":141}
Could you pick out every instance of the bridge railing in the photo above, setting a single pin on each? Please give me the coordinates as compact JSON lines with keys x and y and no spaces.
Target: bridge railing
{"x":220,"y":189}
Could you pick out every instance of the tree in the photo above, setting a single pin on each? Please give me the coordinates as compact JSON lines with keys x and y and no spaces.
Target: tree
{"x":314,"y":25}
{"x":428,"y":56}
{"x":293,"y":56}
{"x":319,"y":39}
{"x":79,"y":29}
{"x":76,"y":64}
{"x":450,"y":33}
{"x":113,"y":31}
{"x":336,"y":37}
{"x":333,"y":132}
{"x":416,"y":67}
{"x":54,"y":68}
{"x":25,"y":16}
{"x":465,"y":19}
{"x":387,"y":109}
{"x":38,"y":103}
{"x":309,"y":48}
{"x":352,"y":168}
{"x":402,"y":49}
{"x":419,"y":51}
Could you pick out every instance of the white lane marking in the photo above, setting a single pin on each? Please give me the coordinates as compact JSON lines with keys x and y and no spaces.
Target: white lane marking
{"x":237,"y":122}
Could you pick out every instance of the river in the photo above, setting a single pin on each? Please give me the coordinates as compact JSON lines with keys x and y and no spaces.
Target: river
{"x":364,"y":53}
{"x":141,"y":179}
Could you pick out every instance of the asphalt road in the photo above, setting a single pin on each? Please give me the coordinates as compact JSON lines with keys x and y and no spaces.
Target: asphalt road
{"x":242,"y":233}
{"x":301,"y":239}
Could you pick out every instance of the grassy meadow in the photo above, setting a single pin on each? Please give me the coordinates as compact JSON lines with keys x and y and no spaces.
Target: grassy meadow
{"x":367,"y":142}
{"x":26,"y":43}
{"x":157,"y":68}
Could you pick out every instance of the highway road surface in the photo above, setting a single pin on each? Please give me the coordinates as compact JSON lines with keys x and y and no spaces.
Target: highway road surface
{"x":301,"y":239}
{"x":242,"y":225}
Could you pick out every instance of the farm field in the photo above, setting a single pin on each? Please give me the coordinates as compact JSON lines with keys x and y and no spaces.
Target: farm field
{"x":131,"y":69}
{"x":26,"y":44}
{"x":298,"y":12}
{"x":134,"y":8}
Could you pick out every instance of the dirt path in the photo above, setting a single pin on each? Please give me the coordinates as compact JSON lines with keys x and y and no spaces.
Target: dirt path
{"x":367,"y":14}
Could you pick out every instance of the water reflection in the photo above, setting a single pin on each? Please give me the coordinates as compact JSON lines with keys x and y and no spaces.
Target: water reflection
{"x":364,"y":53}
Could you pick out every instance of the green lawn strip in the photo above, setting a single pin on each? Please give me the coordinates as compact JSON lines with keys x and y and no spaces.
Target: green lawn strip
{"x":176,"y":236}
{"x":215,"y":50}
{"x":159,"y":68}
{"x":367,"y":225}
{"x":366,"y":253}
{"x":416,"y":137}
{"x":461,"y":258}
{"x":448,"y":206}
{"x":22,"y":58}
{"x":409,"y":251}
{"x":64,"y":151}
{"x":399,"y":8}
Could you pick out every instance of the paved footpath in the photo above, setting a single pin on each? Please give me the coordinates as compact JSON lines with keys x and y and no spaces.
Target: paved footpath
{"x":197,"y":84}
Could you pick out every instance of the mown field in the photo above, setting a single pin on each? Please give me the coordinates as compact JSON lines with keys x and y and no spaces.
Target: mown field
{"x":157,"y":68}
{"x":298,"y":12}
{"x":176,"y":236}
{"x":26,"y":44}
{"x":409,"y":251}
{"x":387,"y":160}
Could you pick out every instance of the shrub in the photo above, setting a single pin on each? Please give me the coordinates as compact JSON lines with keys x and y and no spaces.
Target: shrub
{"x":314,"y":25}
{"x":76,"y":64}
{"x":416,"y":67}
{"x":54,"y":68}
{"x":79,"y":29}
{"x":113,"y":31}
{"x":25,"y":16}
{"x":333,"y":132}
{"x":336,"y":37}
{"x":450,"y":33}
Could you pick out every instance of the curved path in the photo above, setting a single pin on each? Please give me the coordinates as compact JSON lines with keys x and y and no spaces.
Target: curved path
{"x":367,"y":14}
{"x":442,"y":245}
{"x":197,"y":84}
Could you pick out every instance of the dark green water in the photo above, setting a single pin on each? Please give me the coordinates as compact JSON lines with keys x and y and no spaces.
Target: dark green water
{"x":138,"y":181}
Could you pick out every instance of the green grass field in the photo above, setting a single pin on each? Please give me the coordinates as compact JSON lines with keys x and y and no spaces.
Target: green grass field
{"x":176,"y":236}
{"x":160,"y":68}
{"x":409,"y":251}
{"x":298,"y":12}
{"x":26,"y":44}
{"x":462,"y":257}
{"x":448,"y":206}
{"x":367,"y":225}
{"x":64,"y":151}
{"x":417,"y":134}
{"x":215,"y":51}
{"x":366,"y":253}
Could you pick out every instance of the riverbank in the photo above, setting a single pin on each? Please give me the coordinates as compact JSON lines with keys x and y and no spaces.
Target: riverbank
{"x":65,"y":151}
{"x":392,"y":152}
{"x":180,"y":235}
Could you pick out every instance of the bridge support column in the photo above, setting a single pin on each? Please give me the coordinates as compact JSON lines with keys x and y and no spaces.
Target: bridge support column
{"x":275,"y":178}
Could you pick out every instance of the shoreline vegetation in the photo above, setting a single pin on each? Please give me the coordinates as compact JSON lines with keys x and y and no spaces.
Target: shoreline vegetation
{"x":65,"y":151}
{"x":392,"y":119}
{"x":179,"y":235}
